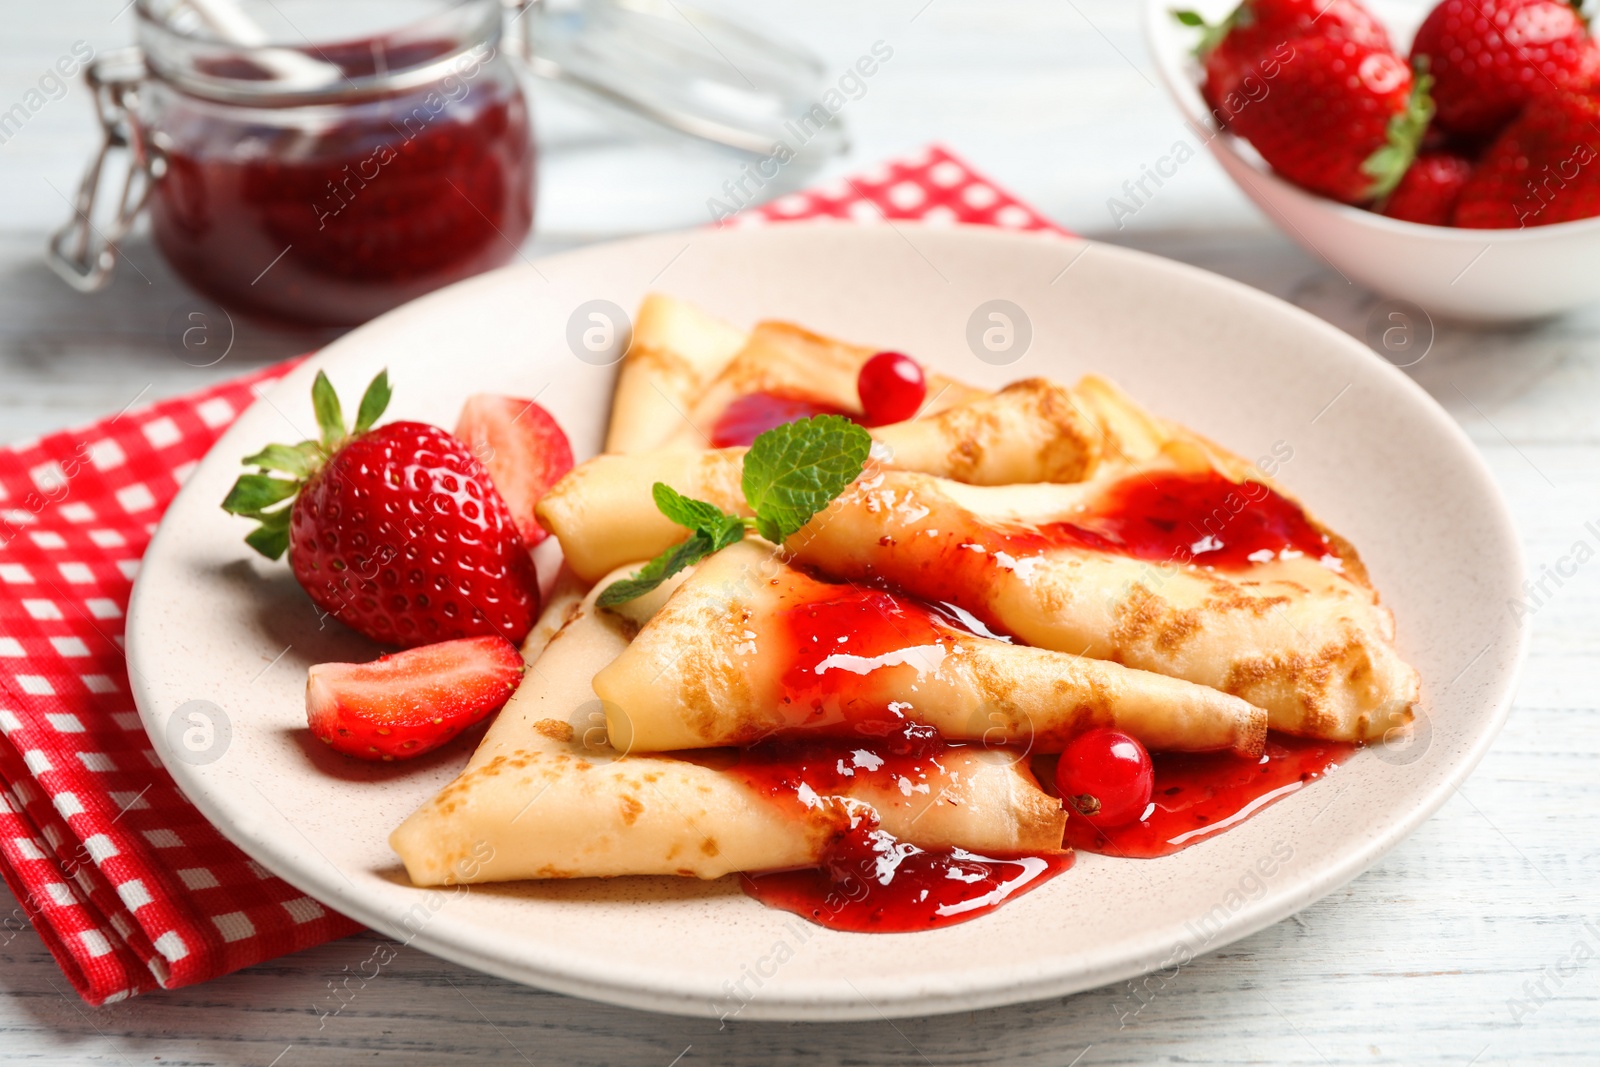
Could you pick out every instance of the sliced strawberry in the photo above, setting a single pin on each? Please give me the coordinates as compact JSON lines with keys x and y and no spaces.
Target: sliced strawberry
{"x":411,"y":702}
{"x":524,"y":449}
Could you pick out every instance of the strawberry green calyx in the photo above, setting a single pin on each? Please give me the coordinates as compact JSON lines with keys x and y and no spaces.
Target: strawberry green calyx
{"x":267,"y":497}
{"x":1214,"y":33}
{"x":1389,"y":164}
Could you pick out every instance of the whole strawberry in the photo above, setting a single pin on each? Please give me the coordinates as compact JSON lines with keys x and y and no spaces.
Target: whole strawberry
{"x":1342,"y":119}
{"x":1429,"y":191}
{"x":1490,"y":57}
{"x":397,"y":532}
{"x":1544,"y":169}
{"x":1243,"y":53}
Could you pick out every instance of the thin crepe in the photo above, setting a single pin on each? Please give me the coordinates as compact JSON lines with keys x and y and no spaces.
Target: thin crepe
{"x":714,"y":666}
{"x":546,"y":796}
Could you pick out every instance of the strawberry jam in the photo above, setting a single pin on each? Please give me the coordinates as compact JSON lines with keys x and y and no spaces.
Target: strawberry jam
{"x":872,"y":882}
{"x":869,"y":880}
{"x":838,"y":637}
{"x":753,"y":414}
{"x":334,"y":213}
{"x":1192,"y":518}
{"x":1198,"y":795}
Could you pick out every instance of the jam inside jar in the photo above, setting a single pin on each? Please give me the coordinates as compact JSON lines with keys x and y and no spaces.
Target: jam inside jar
{"x":347,"y":179}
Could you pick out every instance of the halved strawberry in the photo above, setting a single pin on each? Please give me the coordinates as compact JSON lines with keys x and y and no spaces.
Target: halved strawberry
{"x":524,"y":449}
{"x":402,"y":705}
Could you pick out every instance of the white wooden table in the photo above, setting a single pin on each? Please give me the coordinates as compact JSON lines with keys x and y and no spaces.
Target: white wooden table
{"x":1421,"y":960}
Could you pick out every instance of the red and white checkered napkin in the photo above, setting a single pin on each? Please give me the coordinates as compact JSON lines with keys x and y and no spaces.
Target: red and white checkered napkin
{"x":123,"y":879}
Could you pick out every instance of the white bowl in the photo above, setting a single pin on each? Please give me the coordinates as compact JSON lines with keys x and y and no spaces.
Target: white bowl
{"x":1475,"y":275}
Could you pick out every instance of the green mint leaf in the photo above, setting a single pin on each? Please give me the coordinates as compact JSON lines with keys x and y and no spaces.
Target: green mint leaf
{"x":254,"y":492}
{"x":373,"y":401}
{"x":330,"y":417}
{"x":730,"y":530}
{"x":793,"y":471}
{"x":658,"y":570}
{"x":298,"y":460}
{"x":684,"y":510}
{"x":1188,"y":18}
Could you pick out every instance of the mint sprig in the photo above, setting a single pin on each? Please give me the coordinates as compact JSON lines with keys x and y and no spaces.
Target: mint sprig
{"x":257,"y":495}
{"x":791,"y":472}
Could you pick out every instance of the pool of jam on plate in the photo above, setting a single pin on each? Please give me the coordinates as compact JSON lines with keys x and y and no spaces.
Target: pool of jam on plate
{"x":749,"y":416}
{"x":870,"y":881}
{"x":333,"y":214}
{"x":1198,"y":795}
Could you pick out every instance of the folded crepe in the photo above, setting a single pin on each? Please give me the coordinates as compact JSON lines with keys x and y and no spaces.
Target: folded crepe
{"x":749,"y":647}
{"x":786,"y":360}
{"x":1030,"y":431}
{"x":1299,"y":634}
{"x":546,"y":796}
{"x":675,"y":352}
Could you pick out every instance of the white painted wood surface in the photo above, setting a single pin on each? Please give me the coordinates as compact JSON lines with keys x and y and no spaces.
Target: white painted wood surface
{"x":1421,"y":960}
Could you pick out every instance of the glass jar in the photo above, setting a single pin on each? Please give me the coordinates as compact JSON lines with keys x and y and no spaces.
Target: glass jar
{"x":324,"y":182}
{"x":323,"y":162}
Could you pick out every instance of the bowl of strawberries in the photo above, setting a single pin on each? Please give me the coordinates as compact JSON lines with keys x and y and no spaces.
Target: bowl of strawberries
{"x":1449,"y":157}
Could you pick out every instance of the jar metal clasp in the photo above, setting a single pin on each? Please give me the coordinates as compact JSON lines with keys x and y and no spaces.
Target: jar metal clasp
{"x":82,"y":252}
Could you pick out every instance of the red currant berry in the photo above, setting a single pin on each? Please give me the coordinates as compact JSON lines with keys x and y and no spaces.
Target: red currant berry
{"x":891,"y":387}
{"x":1106,"y":777}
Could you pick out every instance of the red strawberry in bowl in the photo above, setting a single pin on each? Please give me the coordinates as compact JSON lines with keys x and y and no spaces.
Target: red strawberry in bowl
{"x":1490,"y":57}
{"x":523,"y":448}
{"x":1244,"y":52}
{"x":397,"y":532}
{"x":1342,"y":118}
{"x":1544,"y":169}
{"x":1429,"y":191}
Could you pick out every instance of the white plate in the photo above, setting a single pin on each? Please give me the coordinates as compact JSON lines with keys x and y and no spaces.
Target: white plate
{"x":1372,"y":454}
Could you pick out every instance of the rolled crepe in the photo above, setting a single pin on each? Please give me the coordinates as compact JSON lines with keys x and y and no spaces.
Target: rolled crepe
{"x":1302,"y":637}
{"x":545,"y":796}
{"x":723,"y":662}
{"x":676,"y":350}
{"x":788,"y":360}
{"x":1030,"y":431}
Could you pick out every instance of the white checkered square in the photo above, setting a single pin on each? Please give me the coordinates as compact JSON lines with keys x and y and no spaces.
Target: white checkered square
{"x":171,"y":946}
{"x":70,"y":647}
{"x":161,"y":432}
{"x":134,"y":895}
{"x":15,"y":574}
{"x":64,"y":722}
{"x":77,"y":512}
{"x":198,"y":878}
{"x":44,"y":610}
{"x":48,"y":539}
{"x":100,"y":848}
{"x":102,"y":608}
{"x":95,"y":943}
{"x":107,"y":538}
{"x":76,"y":573}
{"x":106,"y":455}
{"x":215,"y":412}
{"x":303,"y":909}
{"x":234,"y":926}
{"x":135,"y":498}
{"x":96,"y":761}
